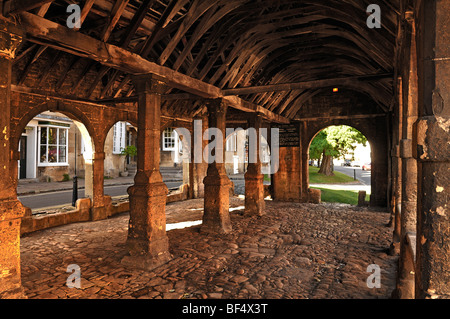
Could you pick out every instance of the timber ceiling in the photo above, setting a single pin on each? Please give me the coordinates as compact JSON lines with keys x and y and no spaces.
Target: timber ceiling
{"x":229,"y":44}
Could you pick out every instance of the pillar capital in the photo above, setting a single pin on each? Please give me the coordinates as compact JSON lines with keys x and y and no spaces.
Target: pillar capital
{"x":216,"y":106}
{"x":255,"y":120}
{"x":149,"y":83}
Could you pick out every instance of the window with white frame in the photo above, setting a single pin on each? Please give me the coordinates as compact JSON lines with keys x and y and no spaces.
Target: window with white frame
{"x":231,"y":143}
{"x":53,"y":142}
{"x":169,"y":139}
{"x":119,"y":137}
{"x":265,"y":153}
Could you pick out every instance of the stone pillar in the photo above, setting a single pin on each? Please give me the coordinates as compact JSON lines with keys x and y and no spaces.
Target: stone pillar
{"x":287,"y":181}
{"x":216,"y":216}
{"x":100,"y":202}
{"x":147,"y":241}
{"x":396,"y":198}
{"x":304,"y":164}
{"x":405,"y":280}
{"x":433,"y":152}
{"x":397,"y":169}
{"x":11,"y":210}
{"x":197,"y":166}
{"x":254,"y":179}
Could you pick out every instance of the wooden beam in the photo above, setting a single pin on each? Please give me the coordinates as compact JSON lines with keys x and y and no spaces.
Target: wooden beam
{"x":340,"y":117}
{"x":16,"y":6}
{"x":116,"y":13}
{"x":74,"y":99}
{"x":134,"y":98}
{"x":338,"y":82}
{"x":245,"y":106}
{"x":45,"y":32}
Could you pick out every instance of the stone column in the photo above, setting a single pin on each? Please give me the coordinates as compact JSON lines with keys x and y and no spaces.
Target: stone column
{"x":397,"y":170}
{"x":396,"y":198}
{"x":11,"y":210}
{"x":216,"y":216}
{"x":287,"y":181}
{"x":405,"y":281}
{"x":198,"y":167}
{"x":100,"y":202}
{"x":433,"y":152}
{"x":254,"y":179}
{"x":304,"y":164}
{"x":147,"y":241}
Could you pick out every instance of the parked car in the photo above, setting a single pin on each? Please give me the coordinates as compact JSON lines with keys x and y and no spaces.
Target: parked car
{"x":367,"y":167}
{"x":346,"y":163}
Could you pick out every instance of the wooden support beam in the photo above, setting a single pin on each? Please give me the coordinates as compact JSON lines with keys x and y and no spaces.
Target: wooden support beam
{"x":75,"y":99}
{"x":16,"y":6}
{"x":245,"y":106}
{"x":340,"y":117}
{"x":116,"y":13}
{"x":339,"y":82}
{"x":45,"y":32}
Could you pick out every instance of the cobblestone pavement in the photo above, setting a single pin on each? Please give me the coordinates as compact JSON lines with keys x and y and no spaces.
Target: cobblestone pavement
{"x":294,"y":251}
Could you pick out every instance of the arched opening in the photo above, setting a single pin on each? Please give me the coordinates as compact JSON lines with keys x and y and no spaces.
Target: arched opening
{"x":54,"y":147}
{"x":340,"y":159}
{"x":120,"y":159}
{"x":174,"y":166}
{"x":237,"y":158}
{"x":120,"y":151}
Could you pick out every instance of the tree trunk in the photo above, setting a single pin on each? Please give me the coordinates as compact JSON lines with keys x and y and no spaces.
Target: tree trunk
{"x":326,"y":166}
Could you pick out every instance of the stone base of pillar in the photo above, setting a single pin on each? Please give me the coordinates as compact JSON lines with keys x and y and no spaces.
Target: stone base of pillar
{"x":254,"y":195}
{"x":147,"y":242}
{"x":394,"y":248}
{"x":11,"y":213}
{"x":216,"y":216}
{"x":158,"y":255}
{"x":103,"y":210}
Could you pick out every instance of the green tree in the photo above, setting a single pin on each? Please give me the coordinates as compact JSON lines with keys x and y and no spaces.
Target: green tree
{"x":334,"y":141}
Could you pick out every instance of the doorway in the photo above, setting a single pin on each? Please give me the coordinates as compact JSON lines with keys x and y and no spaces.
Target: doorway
{"x":23,"y":157}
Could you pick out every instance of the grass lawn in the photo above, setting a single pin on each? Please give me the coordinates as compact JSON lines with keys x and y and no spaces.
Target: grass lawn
{"x":340,"y":196}
{"x":338,"y":178}
{"x":334,"y":195}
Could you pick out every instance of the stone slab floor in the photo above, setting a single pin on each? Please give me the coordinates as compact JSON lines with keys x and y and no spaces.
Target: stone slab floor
{"x":294,"y":251}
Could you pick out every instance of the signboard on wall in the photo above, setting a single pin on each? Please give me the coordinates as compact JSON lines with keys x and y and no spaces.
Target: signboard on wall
{"x":289,"y":135}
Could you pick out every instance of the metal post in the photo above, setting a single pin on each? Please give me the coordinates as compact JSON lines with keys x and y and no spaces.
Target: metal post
{"x":354,"y":174}
{"x":75,"y":178}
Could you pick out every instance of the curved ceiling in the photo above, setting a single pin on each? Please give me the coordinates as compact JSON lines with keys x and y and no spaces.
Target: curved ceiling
{"x":239,"y":43}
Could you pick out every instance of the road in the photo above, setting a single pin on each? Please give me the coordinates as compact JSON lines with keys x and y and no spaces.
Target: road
{"x":65,"y":197}
{"x":363,"y":176}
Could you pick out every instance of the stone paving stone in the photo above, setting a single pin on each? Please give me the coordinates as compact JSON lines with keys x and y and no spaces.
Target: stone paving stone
{"x":294,"y":251}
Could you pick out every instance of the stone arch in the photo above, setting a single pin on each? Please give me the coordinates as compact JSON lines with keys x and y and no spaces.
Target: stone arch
{"x":114,"y":165}
{"x":374,"y":129}
{"x":66,"y":109}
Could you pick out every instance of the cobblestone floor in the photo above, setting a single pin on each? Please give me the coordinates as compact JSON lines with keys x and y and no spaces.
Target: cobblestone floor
{"x":294,"y":251}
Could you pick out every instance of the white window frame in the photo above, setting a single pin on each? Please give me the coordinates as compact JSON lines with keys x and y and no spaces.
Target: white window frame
{"x":231,"y":144}
{"x":119,"y":138}
{"x":172,"y":136}
{"x":57,"y":163}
